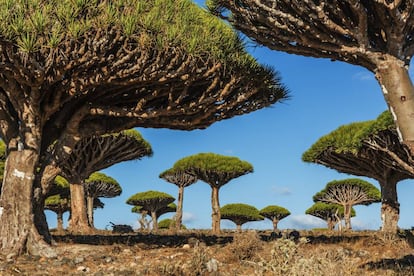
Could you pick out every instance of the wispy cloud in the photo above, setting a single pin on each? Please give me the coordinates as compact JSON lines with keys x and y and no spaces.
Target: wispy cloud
{"x":304,"y":222}
{"x":189,"y":217}
{"x":363,"y":76}
{"x":283,"y":190}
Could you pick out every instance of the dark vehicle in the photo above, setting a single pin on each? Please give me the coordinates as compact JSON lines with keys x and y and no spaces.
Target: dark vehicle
{"x":121,"y":228}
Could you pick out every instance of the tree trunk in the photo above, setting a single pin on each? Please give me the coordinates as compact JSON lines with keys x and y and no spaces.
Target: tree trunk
{"x":390,"y":208}
{"x":275,"y":221}
{"x":398,"y":92}
{"x":78,"y":220}
{"x":89,"y":204}
{"x":238,"y":227}
{"x":215,"y":215}
{"x":179,"y":211}
{"x":154,"y":221}
{"x":59,"y":226}
{"x":347,"y":216}
{"x":23,"y":226}
{"x":331,"y":223}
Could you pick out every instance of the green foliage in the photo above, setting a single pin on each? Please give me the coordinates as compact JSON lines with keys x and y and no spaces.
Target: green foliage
{"x":133,"y":133}
{"x":167,"y":223}
{"x":324,"y":210}
{"x":141,"y":199}
{"x":31,"y":23}
{"x":240,"y":210}
{"x":60,"y":187}
{"x":274,"y":211}
{"x":56,"y":200}
{"x":203,"y":164}
{"x":334,"y":187}
{"x":101,"y":177}
{"x":348,"y":138}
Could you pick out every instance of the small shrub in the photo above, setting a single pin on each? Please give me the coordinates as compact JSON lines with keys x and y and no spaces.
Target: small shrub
{"x":245,"y":246}
{"x":197,"y":265}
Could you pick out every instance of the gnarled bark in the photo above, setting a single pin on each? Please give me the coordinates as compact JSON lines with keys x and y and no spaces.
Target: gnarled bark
{"x":78,"y":218}
{"x":390,"y":208}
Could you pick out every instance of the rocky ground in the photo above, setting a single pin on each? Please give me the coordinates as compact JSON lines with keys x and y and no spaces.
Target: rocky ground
{"x":198,"y":253}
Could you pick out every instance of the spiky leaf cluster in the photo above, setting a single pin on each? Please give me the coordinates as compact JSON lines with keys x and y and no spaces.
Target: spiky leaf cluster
{"x":365,"y":149}
{"x":357,"y":32}
{"x":349,"y":191}
{"x":151,"y":201}
{"x":274,"y":212}
{"x":214,"y":169}
{"x":101,"y":185}
{"x":240,"y":213}
{"x":327,"y":210}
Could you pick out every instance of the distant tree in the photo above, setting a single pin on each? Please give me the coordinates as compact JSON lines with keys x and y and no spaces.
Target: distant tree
{"x":348,"y":193}
{"x":329,"y":212}
{"x":182,"y":180}
{"x":240,"y":213}
{"x":72,"y":69}
{"x":58,"y":200}
{"x":168,"y":224}
{"x":275,"y":214}
{"x":99,"y":185}
{"x":375,"y":34}
{"x":216,"y":170}
{"x":92,"y":154}
{"x":143,"y":222}
{"x":153,"y":202}
{"x":371,"y":149}
{"x":172,"y":207}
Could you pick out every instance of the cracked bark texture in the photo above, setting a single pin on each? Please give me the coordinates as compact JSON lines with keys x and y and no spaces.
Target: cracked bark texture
{"x":375,"y":34}
{"x":91,"y":70}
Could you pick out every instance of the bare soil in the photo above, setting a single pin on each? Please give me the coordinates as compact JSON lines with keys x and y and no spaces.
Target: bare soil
{"x":200,"y":253}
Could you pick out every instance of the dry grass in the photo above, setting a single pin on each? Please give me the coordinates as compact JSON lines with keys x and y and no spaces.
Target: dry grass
{"x":246,"y":253}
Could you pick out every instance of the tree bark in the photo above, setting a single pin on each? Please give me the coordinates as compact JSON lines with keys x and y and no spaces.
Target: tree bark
{"x":238,"y":228}
{"x":59,"y":226}
{"x":23,"y":226}
{"x":275,"y":221}
{"x":390,"y":208}
{"x":215,"y":215}
{"x":89,"y":204}
{"x":331,"y":223}
{"x":398,"y":92}
{"x":78,"y":220}
{"x":154,"y":221}
{"x":347,"y":216}
{"x":179,"y":211}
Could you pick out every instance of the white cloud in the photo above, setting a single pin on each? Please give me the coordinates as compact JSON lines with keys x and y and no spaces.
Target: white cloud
{"x":363,"y":76}
{"x":304,"y":222}
{"x":284,"y":191}
{"x":189,"y":217}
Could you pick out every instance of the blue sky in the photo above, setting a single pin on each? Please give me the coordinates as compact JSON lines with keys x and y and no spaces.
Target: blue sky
{"x":324,"y":95}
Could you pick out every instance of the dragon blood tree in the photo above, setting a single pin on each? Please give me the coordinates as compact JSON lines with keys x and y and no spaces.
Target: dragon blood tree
{"x":92,"y":154}
{"x":58,"y":200}
{"x":172,"y":207}
{"x":74,"y":69}
{"x":329,"y":212}
{"x":275,"y":214}
{"x":216,"y":170}
{"x":348,"y":193}
{"x":240,"y":213}
{"x":182,"y":180}
{"x":375,"y":34}
{"x":370,"y":149}
{"x":99,"y":185}
{"x":152,"y":201}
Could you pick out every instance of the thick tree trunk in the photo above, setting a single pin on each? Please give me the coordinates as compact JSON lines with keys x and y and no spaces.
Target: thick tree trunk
{"x":154,"y":221}
{"x":331,"y":223}
{"x":398,"y":92}
{"x":347,"y":216}
{"x":238,"y":228}
{"x":23,"y":226}
{"x":59,"y":226}
{"x":390,"y":208}
{"x":89,"y":204}
{"x":179,"y":211}
{"x":275,"y":221}
{"x":215,"y":215}
{"x":78,"y":220}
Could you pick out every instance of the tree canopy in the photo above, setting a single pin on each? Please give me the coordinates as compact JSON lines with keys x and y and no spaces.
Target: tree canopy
{"x":178,"y":177}
{"x":101,"y":185}
{"x":274,"y":211}
{"x":372,"y":149}
{"x":329,"y":212}
{"x":240,"y":213}
{"x":214,"y":169}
